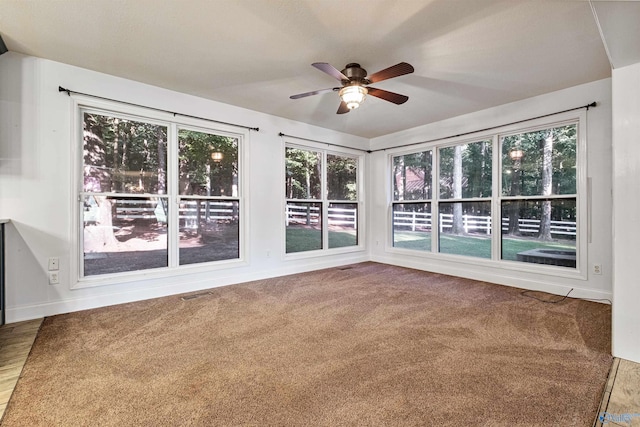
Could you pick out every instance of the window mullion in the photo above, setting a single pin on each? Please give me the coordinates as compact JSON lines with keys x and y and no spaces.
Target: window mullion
{"x":324,"y":188}
{"x":496,"y":205}
{"x":435,"y":199}
{"x":172,"y":191}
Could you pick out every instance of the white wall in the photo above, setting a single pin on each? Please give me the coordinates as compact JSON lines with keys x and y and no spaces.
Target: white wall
{"x":599,"y":169}
{"x":36,"y":189}
{"x":626,"y":171}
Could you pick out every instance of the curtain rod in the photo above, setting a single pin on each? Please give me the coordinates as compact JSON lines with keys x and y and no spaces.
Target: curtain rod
{"x":322,"y":142}
{"x":69,"y":92}
{"x":593,"y":104}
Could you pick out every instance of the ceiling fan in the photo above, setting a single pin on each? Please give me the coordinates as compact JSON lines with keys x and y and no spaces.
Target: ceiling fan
{"x":355,"y":84}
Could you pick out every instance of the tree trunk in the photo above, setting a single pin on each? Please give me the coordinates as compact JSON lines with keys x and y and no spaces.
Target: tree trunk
{"x":400,"y":178}
{"x":105,"y":220}
{"x":162,"y":168}
{"x":426,"y":178}
{"x":123,"y":168}
{"x":207,"y":212}
{"x":547,"y":176}
{"x":514,"y":218}
{"x":116,"y":160}
{"x":307,"y":177}
{"x":514,"y":205}
{"x":458,"y":226}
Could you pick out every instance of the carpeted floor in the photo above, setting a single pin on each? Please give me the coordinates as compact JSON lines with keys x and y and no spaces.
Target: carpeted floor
{"x":368,"y":345}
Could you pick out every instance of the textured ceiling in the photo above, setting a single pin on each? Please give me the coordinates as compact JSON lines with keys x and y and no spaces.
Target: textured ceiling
{"x":468,"y":54}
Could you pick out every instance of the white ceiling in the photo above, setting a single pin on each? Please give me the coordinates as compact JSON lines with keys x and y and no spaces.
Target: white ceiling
{"x":468,"y":54}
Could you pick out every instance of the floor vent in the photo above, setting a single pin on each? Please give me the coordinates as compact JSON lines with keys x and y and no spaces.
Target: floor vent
{"x":194,"y":296}
{"x":345,"y":268}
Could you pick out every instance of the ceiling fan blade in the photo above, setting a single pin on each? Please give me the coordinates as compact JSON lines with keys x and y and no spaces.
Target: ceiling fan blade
{"x":394,"y":71}
{"x":396,"y":98}
{"x":331,"y":70}
{"x":315,"y":92}
{"x":343,"y":108}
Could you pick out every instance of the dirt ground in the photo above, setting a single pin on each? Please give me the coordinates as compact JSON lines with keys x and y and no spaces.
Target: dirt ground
{"x":144,"y":247}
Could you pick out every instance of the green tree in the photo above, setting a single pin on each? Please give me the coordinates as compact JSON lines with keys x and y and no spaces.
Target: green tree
{"x":303,"y":176}
{"x":207,"y":163}
{"x":121,"y":156}
{"x":412,"y":176}
{"x":341,"y":177}
{"x":547,"y":167}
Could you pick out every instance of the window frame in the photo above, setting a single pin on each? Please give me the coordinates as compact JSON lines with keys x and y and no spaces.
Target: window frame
{"x":439,"y":200}
{"x":180,"y":197}
{"x":427,"y":201}
{"x":583,"y":226}
{"x":81,"y":104}
{"x":325,"y":149}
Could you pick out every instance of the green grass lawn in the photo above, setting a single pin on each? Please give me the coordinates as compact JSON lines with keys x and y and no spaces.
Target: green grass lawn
{"x":305,"y":239}
{"x":473,"y":246}
{"x":479,"y":247}
{"x":416,"y":240}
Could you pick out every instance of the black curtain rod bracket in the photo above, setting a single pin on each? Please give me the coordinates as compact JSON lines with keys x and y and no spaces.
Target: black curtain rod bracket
{"x":69,"y":92}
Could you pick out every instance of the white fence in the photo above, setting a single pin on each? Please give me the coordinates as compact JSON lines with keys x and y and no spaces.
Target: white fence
{"x":310,"y":215}
{"x":154,"y":210}
{"x":419,"y":220}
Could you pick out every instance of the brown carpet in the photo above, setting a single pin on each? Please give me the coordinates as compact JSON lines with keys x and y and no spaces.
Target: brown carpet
{"x":369,"y":345}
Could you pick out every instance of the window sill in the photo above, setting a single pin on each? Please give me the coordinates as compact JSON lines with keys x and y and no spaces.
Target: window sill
{"x":158,"y":273}
{"x":323,"y":253}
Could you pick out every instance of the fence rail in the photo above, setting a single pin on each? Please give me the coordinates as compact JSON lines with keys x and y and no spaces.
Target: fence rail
{"x":310,"y":215}
{"x":471,"y":223}
{"x":156,"y":210}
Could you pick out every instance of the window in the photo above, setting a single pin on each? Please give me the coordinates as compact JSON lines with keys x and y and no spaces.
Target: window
{"x":464,"y":221}
{"x":412,"y":201}
{"x":538,"y":202}
{"x":208,"y":197}
{"x":135,"y":208}
{"x":512,"y":197}
{"x":322,"y":199}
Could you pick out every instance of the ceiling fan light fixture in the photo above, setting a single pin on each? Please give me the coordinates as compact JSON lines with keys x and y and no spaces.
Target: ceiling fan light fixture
{"x":353,"y":95}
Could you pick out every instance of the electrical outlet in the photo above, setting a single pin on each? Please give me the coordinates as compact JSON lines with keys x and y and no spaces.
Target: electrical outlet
{"x":54,"y":278}
{"x":54,"y":263}
{"x":597,"y":269}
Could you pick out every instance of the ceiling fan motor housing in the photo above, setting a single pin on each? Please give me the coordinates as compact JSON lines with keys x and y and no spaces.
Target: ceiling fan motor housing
{"x":356,"y":74}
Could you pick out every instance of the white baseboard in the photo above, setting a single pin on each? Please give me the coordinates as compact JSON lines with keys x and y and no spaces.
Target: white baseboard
{"x":36,"y":311}
{"x":506,"y":278}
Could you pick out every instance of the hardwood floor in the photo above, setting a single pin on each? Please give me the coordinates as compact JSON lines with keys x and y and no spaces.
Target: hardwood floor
{"x":620,"y":402}
{"x":16,"y":340}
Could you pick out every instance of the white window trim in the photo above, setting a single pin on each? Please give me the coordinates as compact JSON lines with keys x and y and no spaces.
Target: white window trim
{"x":578,"y":117}
{"x":325,"y":149}
{"x":173,"y":123}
